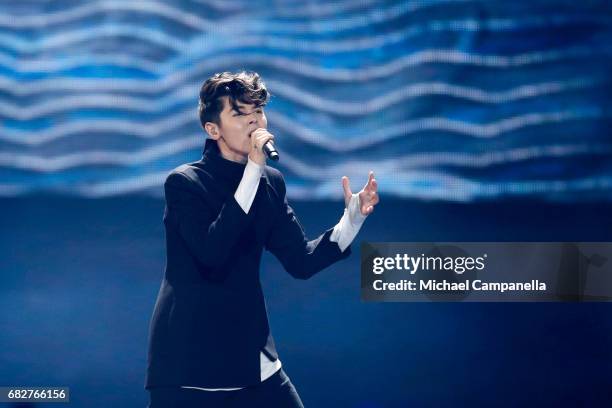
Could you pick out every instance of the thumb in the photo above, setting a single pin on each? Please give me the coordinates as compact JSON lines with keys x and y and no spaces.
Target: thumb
{"x":346,"y":186}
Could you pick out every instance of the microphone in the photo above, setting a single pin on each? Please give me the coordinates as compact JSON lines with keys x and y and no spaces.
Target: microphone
{"x":270,"y":151}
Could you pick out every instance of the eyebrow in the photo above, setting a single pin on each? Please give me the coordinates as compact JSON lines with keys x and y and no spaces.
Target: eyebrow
{"x":240,"y":111}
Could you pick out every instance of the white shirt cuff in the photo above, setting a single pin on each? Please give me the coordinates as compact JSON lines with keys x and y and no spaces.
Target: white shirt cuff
{"x":247,"y":189}
{"x":347,"y":228}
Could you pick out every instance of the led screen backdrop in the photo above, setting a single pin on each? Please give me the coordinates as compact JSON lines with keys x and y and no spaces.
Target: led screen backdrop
{"x":446,"y":100}
{"x":485,"y":121}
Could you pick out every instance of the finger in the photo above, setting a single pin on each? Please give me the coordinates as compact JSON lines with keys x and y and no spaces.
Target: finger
{"x":261,"y":133}
{"x":369,"y":182}
{"x":373,"y":185}
{"x":346,"y":186}
{"x":261,"y":140}
{"x":264,"y":135}
{"x":259,"y":130}
{"x":375,"y":199}
{"x":265,"y":139}
{"x":255,"y":133}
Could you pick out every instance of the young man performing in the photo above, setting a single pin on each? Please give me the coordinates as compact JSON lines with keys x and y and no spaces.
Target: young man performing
{"x":210,"y":343}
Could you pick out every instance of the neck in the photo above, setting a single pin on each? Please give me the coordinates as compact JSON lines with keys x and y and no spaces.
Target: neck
{"x":230,"y":154}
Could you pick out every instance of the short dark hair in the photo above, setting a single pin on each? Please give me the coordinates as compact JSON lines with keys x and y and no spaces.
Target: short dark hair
{"x":246,"y":87}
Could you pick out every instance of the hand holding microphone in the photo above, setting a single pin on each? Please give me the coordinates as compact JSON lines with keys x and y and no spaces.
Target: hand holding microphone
{"x":262,"y":146}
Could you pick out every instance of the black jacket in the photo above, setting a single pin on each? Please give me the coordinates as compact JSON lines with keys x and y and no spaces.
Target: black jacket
{"x":210,"y":321}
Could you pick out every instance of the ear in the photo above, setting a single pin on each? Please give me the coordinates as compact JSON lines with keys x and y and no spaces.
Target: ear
{"x":212,"y":129}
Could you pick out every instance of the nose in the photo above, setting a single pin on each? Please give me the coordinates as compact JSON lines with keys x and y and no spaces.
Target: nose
{"x":256,"y":119}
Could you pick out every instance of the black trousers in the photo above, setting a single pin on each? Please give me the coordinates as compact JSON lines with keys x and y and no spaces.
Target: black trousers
{"x":276,"y":391}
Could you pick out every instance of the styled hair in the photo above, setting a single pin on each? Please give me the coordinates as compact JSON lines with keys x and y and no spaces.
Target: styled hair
{"x":246,"y":87}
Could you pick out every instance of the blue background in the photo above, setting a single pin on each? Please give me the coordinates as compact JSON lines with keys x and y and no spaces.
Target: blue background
{"x":483,"y":121}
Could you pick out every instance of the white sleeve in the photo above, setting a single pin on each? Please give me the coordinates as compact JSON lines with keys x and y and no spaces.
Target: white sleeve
{"x":347,"y":228}
{"x":247,"y":189}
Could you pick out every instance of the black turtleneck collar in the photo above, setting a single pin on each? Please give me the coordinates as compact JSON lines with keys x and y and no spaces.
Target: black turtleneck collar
{"x":220,"y":165}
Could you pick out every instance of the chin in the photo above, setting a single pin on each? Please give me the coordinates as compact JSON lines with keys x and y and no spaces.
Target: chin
{"x":242,"y":150}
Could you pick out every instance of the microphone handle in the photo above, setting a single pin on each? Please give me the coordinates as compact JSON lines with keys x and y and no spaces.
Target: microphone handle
{"x":270,"y":151}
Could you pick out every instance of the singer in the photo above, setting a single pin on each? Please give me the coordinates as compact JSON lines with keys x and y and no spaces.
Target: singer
{"x":210,"y":343}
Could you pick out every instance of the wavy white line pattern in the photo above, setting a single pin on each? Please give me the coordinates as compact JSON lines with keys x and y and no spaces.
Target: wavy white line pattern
{"x":300,"y":97}
{"x":192,"y":20}
{"x":157,"y":129}
{"x":234,"y":38}
{"x":456,"y":100}
{"x":395,"y":66}
{"x":296,"y":165}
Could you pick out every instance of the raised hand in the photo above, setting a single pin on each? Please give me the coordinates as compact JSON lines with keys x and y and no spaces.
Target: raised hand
{"x":368,"y":196}
{"x":259,"y":137}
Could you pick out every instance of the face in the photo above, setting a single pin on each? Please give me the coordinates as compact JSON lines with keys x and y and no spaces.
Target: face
{"x":233,"y":134}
